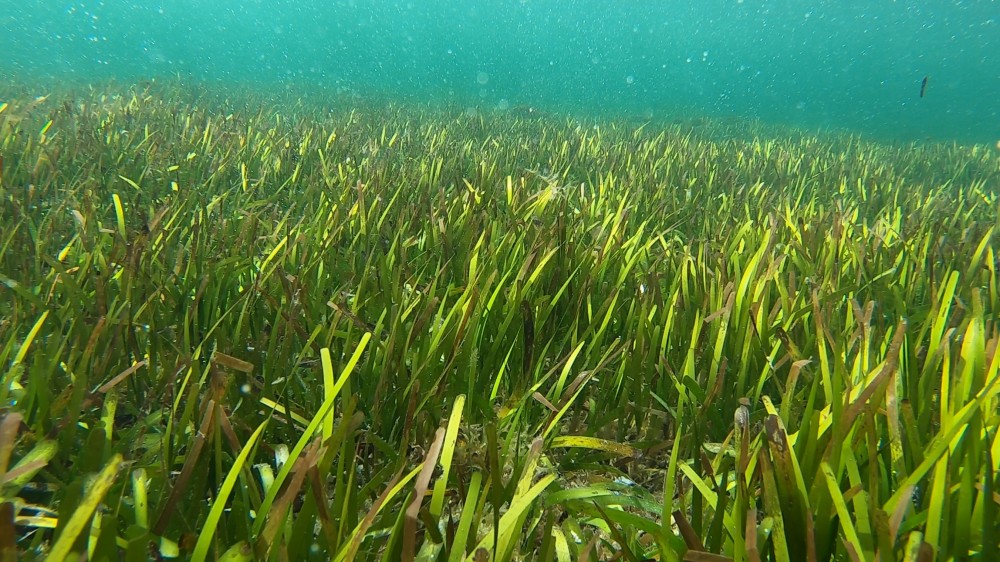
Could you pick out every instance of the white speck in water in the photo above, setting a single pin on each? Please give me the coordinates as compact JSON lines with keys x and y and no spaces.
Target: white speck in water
{"x":280,"y":455}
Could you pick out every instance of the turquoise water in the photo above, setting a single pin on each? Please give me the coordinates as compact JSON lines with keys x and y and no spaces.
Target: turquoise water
{"x":846,"y":64}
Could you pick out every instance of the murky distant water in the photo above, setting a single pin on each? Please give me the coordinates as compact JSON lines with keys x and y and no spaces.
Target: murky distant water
{"x":855,"y":64}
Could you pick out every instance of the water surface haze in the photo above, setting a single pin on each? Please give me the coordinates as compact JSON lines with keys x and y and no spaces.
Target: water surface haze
{"x":846,"y":64}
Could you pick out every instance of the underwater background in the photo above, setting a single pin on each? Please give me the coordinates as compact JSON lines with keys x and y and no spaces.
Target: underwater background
{"x":702,"y":280}
{"x":853,"y":65}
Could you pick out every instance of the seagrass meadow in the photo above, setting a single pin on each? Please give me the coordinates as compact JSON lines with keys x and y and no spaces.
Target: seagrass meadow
{"x":235,"y":327}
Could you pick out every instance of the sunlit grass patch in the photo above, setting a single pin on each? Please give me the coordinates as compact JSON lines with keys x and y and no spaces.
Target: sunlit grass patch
{"x":243,"y":329}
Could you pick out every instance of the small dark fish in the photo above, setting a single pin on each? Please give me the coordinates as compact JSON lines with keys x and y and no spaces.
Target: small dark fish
{"x":923,"y":86}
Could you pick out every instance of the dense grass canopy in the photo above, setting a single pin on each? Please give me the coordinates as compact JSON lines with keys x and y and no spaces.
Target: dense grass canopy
{"x":245,"y":328}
